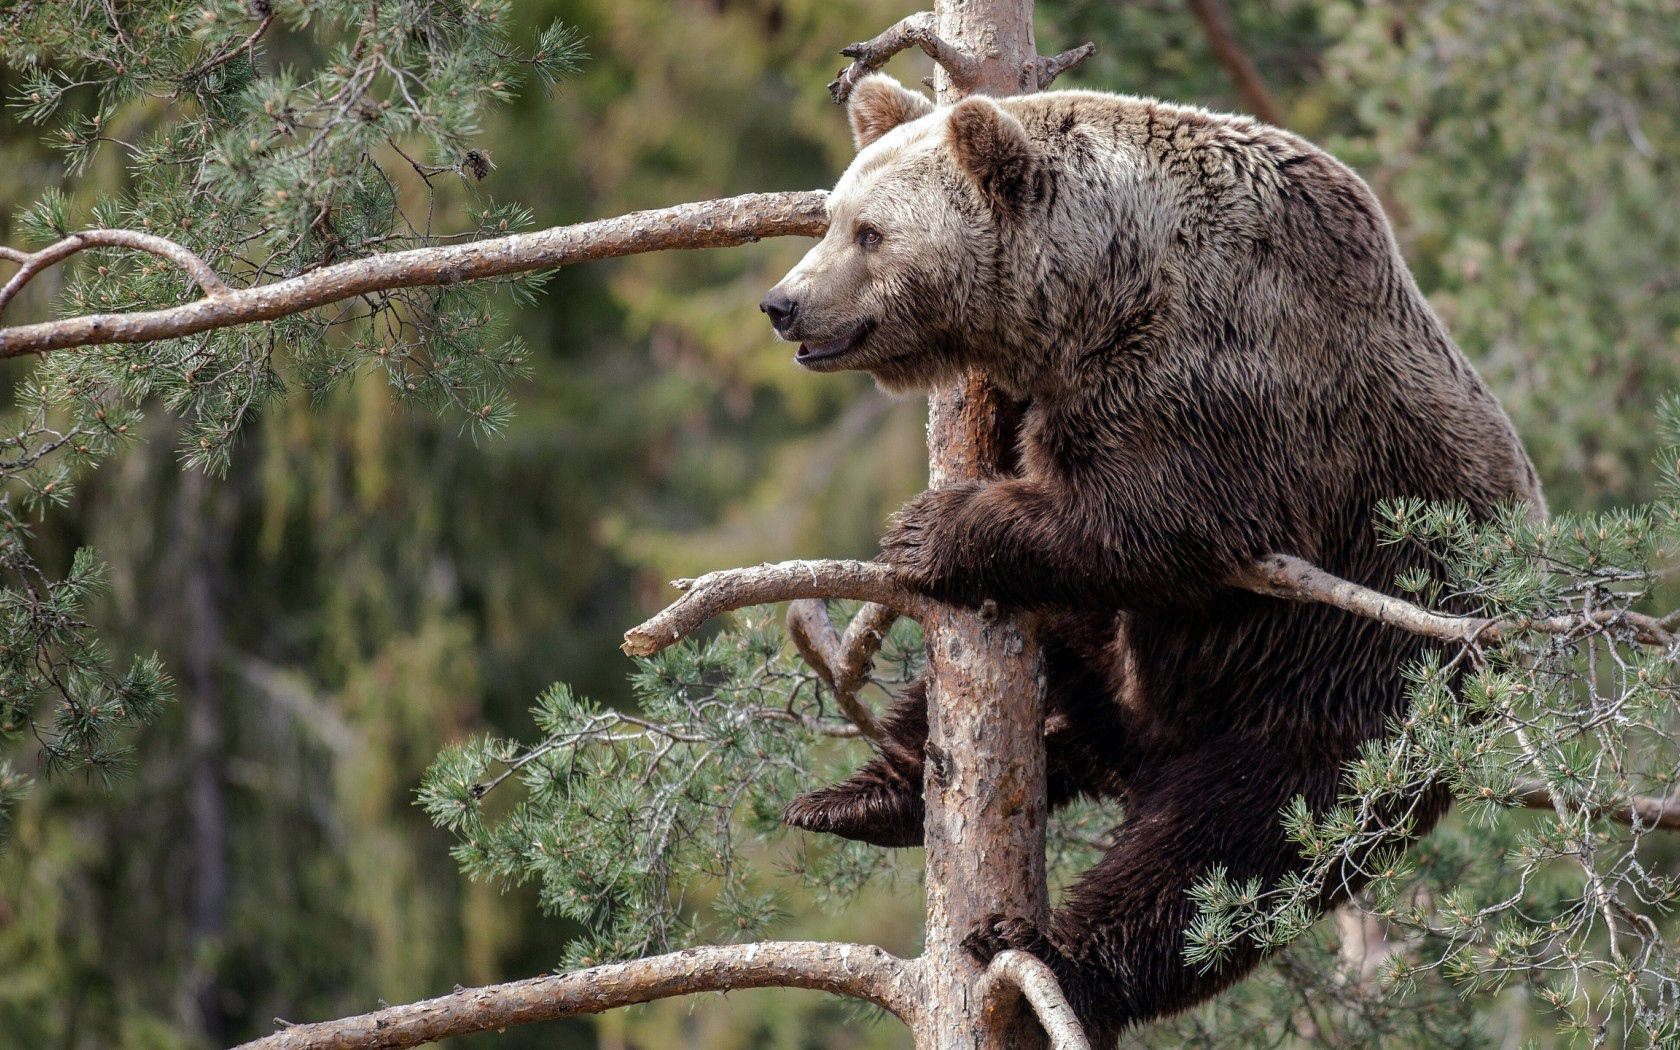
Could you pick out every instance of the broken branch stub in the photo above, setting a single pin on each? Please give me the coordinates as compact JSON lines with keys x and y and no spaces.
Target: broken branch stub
{"x":1042,"y":71}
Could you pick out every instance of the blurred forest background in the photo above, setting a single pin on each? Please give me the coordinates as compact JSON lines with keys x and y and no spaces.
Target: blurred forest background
{"x":367,"y":582}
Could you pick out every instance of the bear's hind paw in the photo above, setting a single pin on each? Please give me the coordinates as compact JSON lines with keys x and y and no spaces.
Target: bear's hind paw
{"x":998,"y":932}
{"x":876,"y":815}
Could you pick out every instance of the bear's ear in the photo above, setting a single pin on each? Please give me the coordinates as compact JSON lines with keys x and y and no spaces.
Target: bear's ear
{"x":878,"y":103}
{"x":992,"y":147}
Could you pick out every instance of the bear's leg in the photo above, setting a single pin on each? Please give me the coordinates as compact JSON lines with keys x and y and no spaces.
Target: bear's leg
{"x":1116,"y":943}
{"x":881,"y":803}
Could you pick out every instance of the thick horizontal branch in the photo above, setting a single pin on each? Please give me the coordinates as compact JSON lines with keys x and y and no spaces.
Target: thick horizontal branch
{"x":730,"y":589}
{"x":917,"y":30}
{"x":1283,"y":576}
{"x":856,"y":970}
{"x":704,"y":224}
{"x":1016,"y":972}
{"x":1278,"y":575}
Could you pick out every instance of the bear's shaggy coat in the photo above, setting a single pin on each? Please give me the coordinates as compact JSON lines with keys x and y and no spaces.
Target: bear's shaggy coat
{"x":1223,"y":356}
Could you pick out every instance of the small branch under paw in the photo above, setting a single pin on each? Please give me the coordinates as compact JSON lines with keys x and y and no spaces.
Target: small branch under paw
{"x":917,"y":30}
{"x":1042,"y":71}
{"x":1014,"y":972}
{"x":730,"y":589}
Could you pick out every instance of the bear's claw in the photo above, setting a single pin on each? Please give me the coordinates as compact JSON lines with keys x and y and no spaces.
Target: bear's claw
{"x":997,"y":933}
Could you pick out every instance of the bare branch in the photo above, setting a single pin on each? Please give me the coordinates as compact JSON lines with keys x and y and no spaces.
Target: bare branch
{"x":1041,"y":72}
{"x":1017,"y":973}
{"x":862,"y":640}
{"x":1283,"y":576}
{"x":729,"y":589}
{"x":1649,"y":812}
{"x":32,"y":263}
{"x":704,"y":224}
{"x":1216,"y":23}
{"x":917,"y":30}
{"x":856,"y":970}
{"x":842,"y":663}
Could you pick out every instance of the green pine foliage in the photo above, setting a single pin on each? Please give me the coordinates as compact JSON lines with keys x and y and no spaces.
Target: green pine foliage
{"x":1571,"y":903}
{"x":358,"y":144}
{"x":644,"y":828}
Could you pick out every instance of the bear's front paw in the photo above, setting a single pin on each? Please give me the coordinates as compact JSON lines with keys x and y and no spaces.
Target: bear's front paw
{"x":922,"y":543}
{"x":997,"y":933}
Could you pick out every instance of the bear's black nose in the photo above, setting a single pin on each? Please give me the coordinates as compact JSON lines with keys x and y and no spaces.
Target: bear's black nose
{"x":781,"y":309}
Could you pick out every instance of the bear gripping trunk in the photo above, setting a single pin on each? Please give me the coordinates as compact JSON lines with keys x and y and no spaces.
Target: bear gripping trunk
{"x":985,"y":770}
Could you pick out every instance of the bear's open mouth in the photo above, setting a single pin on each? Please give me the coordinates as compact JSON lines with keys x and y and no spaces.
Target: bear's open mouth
{"x":812,"y":352}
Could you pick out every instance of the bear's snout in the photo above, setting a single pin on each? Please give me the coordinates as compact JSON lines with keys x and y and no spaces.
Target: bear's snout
{"x":782,"y":309}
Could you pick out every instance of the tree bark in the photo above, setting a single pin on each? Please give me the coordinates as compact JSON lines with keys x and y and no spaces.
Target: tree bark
{"x":984,"y":830}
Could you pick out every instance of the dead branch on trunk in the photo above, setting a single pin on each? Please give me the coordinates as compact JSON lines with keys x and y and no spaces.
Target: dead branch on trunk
{"x":1043,"y":71}
{"x":842,"y":661}
{"x":858,"y":970}
{"x":920,"y":30}
{"x":704,"y":224}
{"x":917,"y":30}
{"x":1216,"y":23}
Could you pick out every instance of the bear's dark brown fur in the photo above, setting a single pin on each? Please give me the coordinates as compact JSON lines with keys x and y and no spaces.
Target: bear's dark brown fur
{"x":1224,"y":356}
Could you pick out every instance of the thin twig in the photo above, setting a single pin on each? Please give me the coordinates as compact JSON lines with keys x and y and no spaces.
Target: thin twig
{"x":917,"y":30}
{"x":229,"y":55}
{"x":856,"y":970}
{"x":703,"y":224}
{"x":32,"y":263}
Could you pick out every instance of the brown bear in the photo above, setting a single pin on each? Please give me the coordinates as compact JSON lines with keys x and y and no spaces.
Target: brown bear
{"x":1223,"y":355}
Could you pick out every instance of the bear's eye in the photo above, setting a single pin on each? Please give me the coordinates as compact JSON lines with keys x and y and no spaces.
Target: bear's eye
{"x":868,"y":238}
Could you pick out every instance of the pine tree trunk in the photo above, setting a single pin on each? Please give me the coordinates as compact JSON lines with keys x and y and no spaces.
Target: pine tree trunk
{"x":985,"y":769}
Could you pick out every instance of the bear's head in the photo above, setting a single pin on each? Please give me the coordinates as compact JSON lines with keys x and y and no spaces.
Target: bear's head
{"x":907,"y":282}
